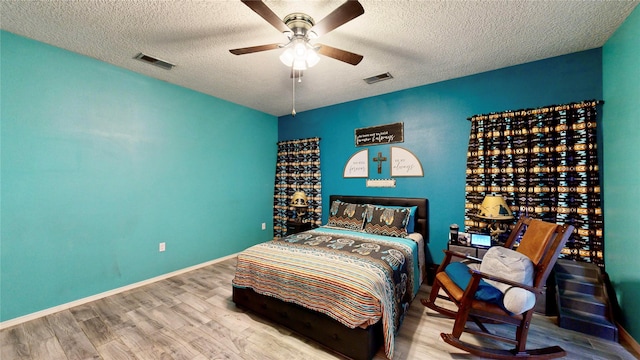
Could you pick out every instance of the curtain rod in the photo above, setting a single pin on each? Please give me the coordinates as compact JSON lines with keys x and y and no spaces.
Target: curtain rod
{"x":540,"y":110}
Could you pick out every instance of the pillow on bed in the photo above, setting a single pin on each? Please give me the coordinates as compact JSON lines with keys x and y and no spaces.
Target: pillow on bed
{"x":346,"y":215}
{"x":387,"y":221}
{"x":411,"y":223}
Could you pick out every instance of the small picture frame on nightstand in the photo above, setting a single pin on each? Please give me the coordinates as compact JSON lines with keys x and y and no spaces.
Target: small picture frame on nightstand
{"x":463,"y":238}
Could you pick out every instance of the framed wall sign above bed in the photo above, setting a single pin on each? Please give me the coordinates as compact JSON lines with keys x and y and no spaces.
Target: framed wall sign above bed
{"x":371,"y":246}
{"x":381,"y":134}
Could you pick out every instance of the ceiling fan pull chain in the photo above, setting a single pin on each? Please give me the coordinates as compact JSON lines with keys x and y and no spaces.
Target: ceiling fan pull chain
{"x":293,"y":100}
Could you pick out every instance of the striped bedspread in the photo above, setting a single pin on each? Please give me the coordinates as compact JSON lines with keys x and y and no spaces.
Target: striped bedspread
{"x":353,"y":277}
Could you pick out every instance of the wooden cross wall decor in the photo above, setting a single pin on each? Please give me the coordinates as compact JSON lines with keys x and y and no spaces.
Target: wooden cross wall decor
{"x":379,"y":159}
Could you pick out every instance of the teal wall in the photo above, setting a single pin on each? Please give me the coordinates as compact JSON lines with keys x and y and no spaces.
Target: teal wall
{"x":100,"y":165}
{"x":621,"y":169}
{"x":436,"y":129}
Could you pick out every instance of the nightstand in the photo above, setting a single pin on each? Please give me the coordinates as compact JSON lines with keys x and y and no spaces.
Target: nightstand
{"x":476,"y":252}
{"x":294,"y":227}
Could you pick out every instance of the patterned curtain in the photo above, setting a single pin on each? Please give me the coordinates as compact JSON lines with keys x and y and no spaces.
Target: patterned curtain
{"x":544,"y":162}
{"x":297,"y":168}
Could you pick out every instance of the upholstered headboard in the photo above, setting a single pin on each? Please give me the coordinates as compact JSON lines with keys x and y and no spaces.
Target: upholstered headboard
{"x":422,"y":214}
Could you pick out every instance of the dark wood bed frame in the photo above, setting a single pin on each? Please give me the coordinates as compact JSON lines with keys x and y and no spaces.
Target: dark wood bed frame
{"x":358,"y":343}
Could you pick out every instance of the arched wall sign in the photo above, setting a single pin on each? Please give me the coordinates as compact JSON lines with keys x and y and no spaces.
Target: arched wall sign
{"x":358,"y":165}
{"x":404,"y":163}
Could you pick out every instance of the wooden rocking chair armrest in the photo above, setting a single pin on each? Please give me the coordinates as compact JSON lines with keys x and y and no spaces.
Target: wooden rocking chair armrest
{"x":460,"y":255}
{"x":449,"y":254}
{"x":476,"y":273}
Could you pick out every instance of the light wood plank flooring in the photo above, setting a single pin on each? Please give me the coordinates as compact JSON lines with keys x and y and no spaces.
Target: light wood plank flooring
{"x":192,"y":317}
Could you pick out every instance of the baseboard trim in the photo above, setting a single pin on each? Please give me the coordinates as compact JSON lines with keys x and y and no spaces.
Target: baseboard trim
{"x":19,"y":320}
{"x":624,"y":338}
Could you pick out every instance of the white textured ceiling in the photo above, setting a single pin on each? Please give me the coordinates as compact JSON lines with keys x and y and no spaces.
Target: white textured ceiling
{"x":418,"y":42}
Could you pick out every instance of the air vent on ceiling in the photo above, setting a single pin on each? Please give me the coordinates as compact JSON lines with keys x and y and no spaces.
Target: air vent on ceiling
{"x":154,"y":61}
{"x":378,"y":78}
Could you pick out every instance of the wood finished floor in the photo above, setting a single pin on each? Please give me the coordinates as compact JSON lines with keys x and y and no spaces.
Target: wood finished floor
{"x":191,"y":317}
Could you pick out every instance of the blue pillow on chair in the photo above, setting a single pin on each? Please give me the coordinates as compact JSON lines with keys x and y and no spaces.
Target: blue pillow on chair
{"x":459,"y":273}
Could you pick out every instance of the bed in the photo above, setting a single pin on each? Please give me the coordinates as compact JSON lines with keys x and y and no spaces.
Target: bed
{"x":345,"y":289}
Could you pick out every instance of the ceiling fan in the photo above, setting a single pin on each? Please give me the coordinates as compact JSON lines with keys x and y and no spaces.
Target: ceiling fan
{"x":300,"y":29}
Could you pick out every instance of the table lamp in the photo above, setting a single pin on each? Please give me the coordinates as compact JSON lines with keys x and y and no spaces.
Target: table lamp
{"x":299,"y":201}
{"x":495,"y":209}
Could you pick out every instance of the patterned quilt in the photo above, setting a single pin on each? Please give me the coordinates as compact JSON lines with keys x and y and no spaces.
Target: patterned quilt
{"x":353,"y":277}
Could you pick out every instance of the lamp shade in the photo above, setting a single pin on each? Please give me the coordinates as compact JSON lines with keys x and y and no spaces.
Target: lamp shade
{"x":299,"y":199}
{"x":495,"y":207}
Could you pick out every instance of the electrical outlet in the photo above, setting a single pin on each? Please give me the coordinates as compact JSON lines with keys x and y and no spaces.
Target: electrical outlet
{"x":264,"y":226}
{"x":162,"y":247}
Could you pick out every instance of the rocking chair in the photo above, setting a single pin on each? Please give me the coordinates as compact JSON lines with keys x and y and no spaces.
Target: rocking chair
{"x":475,"y":294}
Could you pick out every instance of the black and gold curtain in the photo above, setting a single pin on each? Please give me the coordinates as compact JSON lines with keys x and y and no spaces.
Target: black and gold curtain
{"x":297,"y":168}
{"x":544,"y":162}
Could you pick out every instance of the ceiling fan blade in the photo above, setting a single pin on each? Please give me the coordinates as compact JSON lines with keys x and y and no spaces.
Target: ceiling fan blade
{"x":343,"y":14}
{"x":263,"y":10}
{"x":252,"y":49}
{"x":338,"y":54}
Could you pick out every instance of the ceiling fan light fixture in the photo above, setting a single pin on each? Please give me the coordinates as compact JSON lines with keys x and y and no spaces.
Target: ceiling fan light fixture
{"x":300,"y":55}
{"x":299,"y":49}
{"x":312,"y":58}
{"x":287,"y":57}
{"x":299,"y":64}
